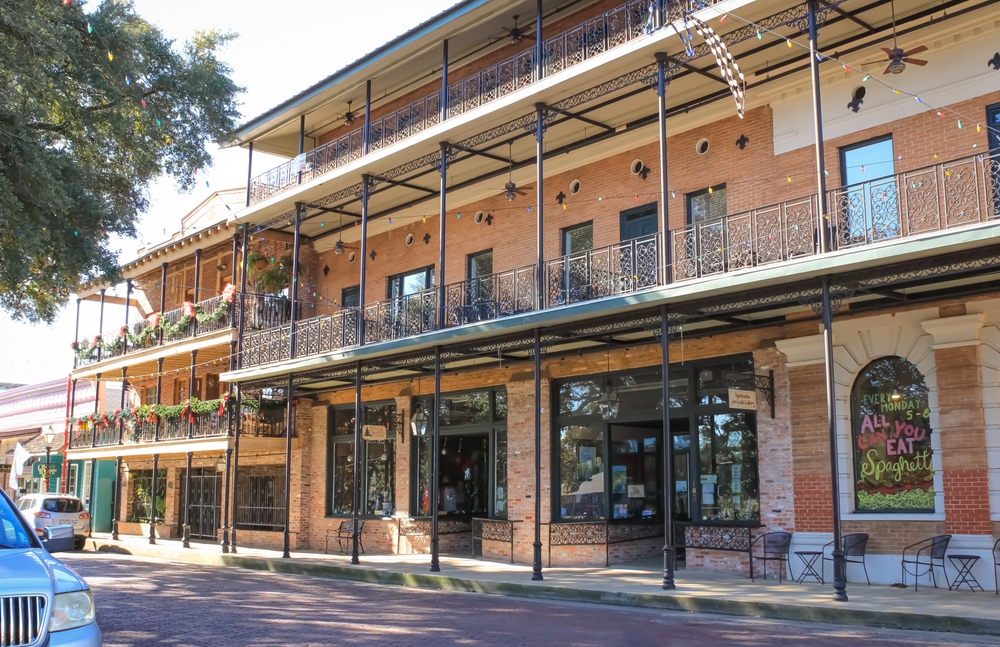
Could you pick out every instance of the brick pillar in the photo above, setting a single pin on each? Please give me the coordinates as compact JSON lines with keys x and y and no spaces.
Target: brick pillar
{"x":404,"y":445}
{"x":301,"y":473}
{"x":810,"y":434}
{"x":521,"y":463}
{"x":961,"y":423}
{"x":774,"y":445}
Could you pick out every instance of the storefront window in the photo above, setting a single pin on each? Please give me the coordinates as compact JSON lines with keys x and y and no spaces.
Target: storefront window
{"x":727,"y":449}
{"x":378,"y":460}
{"x":890,"y":418}
{"x":581,"y":487}
{"x":635,"y":490}
{"x":500,"y":463}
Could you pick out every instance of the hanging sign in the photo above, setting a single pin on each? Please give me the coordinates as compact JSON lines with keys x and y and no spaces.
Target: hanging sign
{"x":373,"y":432}
{"x":739,"y":399}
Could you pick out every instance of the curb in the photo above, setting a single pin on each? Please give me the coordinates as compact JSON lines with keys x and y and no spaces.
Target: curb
{"x":675,"y":602}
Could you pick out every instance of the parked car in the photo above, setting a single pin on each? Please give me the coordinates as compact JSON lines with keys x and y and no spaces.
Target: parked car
{"x":44,"y":510}
{"x":42,"y":601}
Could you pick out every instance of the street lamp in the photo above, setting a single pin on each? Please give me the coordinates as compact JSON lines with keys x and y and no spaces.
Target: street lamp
{"x":50,"y":437}
{"x":418,"y":423}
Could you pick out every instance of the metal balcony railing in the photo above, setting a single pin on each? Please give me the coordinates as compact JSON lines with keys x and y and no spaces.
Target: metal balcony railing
{"x":953,"y":194}
{"x":583,"y":41}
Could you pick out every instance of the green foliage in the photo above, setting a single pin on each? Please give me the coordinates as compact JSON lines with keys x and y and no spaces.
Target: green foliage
{"x":272,"y":278}
{"x":78,"y":148}
{"x":903,"y":500}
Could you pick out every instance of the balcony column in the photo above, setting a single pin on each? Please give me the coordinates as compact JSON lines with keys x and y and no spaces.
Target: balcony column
{"x":186,"y":534}
{"x":128,"y":301}
{"x":443,"y":103}
{"x":249,"y":171}
{"x":539,"y":43}
{"x":668,"y":464}
{"x":76,"y":331}
{"x":661,"y":118}
{"x":236,"y":466}
{"x":191,"y":384}
{"x":159,"y":396}
{"x":302,"y":143}
{"x":366,"y":134}
{"x":100,"y":325}
{"x":355,"y":508}
{"x":225,"y":505}
{"x":72,"y":413}
{"x":152,"y":503}
{"x":116,"y":498}
{"x":236,"y":362}
{"x":289,"y":421}
{"x":441,"y":231}
{"x":365,"y":185}
{"x":121,"y":406}
{"x":197,"y":289}
{"x":825,"y":241}
{"x":436,"y":463}
{"x":243,"y":291}
{"x":293,"y":327}
{"x":536,"y":565}
{"x":97,"y":409}
{"x":163,"y":297}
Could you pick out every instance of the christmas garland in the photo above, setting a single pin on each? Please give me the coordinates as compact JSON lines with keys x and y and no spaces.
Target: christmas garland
{"x":153,"y":412}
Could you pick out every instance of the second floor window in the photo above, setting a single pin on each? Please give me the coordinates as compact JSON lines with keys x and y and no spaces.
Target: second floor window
{"x":351,"y":297}
{"x":481,"y":264}
{"x":578,"y":238}
{"x":411,"y":282}
{"x":707,"y":204}
{"x":149,"y":395}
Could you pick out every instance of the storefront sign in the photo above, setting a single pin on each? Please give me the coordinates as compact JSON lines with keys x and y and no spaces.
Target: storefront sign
{"x":739,"y":399}
{"x":373,"y":432}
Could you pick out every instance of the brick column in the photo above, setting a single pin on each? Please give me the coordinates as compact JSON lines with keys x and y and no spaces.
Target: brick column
{"x":301,"y":473}
{"x":809,"y":433}
{"x":521,"y":464}
{"x":961,"y":423}
{"x":404,"y":445}
{"x":774,"y":445}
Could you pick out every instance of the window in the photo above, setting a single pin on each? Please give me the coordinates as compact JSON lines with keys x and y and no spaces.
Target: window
{"x":866,"y":161}
{"x":87,"y":476}
{"x":149,"y":395}
{"x":867,"y":206}
{"x":411,"y":282}
{"x":73,"y":476}
{"x":581,"y":472}
{"x":260,"y":496}
{"x":891,"y":433}
{"x":212,"y":386}
{"x":706,"y":204}
{"x":143,"y":497}
{"x":481,"y":264}
{"x":473,"y":459}
{"x":377,"y":457}
{"x":181,"y":385}
{"x":351,"y":297}
{"x":578,"y":238}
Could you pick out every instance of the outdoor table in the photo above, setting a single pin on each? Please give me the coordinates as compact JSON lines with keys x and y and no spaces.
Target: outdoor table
{"x":809,"y":559}
{"x":963,"y":564}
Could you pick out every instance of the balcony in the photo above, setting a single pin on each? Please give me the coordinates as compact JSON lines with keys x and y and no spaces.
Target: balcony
{"x":936,"y":198}
{"x":203,"y":318}
{"x":580,"y":43}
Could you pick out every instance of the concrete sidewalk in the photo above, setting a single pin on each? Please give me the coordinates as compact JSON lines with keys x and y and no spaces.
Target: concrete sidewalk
{"x":636,"y":584}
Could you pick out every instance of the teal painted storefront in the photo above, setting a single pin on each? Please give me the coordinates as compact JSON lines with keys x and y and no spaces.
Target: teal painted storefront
{"x":103,"y":496}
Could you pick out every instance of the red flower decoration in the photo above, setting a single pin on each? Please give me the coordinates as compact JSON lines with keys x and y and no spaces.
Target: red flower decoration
{"x":229,"y":293}
{"x":188,"y":309}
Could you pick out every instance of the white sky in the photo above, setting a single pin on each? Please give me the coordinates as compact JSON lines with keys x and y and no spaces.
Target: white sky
{"x":283,"y":48}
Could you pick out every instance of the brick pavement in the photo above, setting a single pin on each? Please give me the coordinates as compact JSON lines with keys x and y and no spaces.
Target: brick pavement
{"x":151,"y":602}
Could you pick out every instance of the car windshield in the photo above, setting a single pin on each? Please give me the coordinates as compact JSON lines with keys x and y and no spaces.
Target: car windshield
{"x":62,"y":505}
{"x":13,"y":533}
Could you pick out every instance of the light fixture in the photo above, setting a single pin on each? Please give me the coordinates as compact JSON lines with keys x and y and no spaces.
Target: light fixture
{"x":349,"y":116}
{"x":220,"y":465}
{"x":418,"y":423}
{"x":338,"y":249}
{"x":608,"y":404}
{"x":50,"y":437}
{"x":896,"y":395}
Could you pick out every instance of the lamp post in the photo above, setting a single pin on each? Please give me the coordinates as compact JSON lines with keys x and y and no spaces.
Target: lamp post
{"x":50,"y":437}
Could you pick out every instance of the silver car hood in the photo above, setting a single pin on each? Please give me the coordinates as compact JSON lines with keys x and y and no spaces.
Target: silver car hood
{"x":32,"y":571}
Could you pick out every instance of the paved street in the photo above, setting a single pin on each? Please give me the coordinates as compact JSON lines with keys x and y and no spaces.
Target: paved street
{"x":149,"y":602}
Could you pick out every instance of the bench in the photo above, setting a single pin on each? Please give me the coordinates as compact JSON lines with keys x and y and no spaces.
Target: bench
{"x":345,"y":533}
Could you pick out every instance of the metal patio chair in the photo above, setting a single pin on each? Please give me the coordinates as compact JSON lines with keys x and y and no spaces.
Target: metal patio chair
{"x":928,"y":553}
{"x":345,"y":535}
{"x":774,"y":548}
{"x":996,"y":565}
{"x":855,"y":545}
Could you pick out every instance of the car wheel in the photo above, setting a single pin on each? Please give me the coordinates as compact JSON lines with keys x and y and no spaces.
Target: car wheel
{"x":79,"y":543}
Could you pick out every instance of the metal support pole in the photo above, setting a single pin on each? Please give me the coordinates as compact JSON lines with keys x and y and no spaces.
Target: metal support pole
{"x":441,"y":231}
{"x":239,"y":392}
{"x":100,"y":325}
{"x":839,"y":562}
{"x":366,"y":141}
{"x":661,"y":118}
{"x":163,"y":297}
{"x":191,"y":385}
{"x":243,"y":296}
{"x":121,"y":406}
{"x":152,"y":502}
{"x":536,"y":570}
{"x":48,"y":475}
{"x":539,"y":41}
{"x":289,"y":423}
{"x":128,"y":303}
{"x":159,"y":397}
{"x":443,"y":103}
{"x":117,"y":499}
{"x":302,"y":143}
{"x":536,"y":561}
{"x":97,"y":409}
{"x":824,"y":223}
{"x":76,"y":331}
{"x":669,"y":553}
{"x":225,"y":506}
{"x":91,"y":507}
{"x":232,"y":273}
{"x":436,"y":463}
{"x":365,"y":186}
{"x":293,"y":327}
{"x":356,"y":481}
{"x":197,"y":285}
{"x":249,"y":171}
{"x":186,"y":535}
{"x":72,"y":409}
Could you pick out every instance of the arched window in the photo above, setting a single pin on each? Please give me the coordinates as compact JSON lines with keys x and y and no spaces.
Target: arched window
{"x":890,"y":418}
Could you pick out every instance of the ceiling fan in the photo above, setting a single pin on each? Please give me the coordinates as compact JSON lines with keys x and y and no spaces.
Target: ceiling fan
{"x":897,"y":57}
{"x":518,"y":34}
{"x":348,"y":116}
{"x":510,"y":189}
{"x":339,"y":247}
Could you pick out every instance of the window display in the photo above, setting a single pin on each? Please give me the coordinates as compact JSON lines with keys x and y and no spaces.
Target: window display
{"x":377,"y":458}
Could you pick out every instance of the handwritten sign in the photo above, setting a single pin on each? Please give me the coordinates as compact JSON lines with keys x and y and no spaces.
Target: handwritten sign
{"x":739,"y":399}
{"x":373,"y":432}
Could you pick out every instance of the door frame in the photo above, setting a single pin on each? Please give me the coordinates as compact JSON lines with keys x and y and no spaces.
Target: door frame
{"x":648,"y":209}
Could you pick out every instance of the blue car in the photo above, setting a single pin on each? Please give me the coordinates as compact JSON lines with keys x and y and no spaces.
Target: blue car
{"x":42,"y":601}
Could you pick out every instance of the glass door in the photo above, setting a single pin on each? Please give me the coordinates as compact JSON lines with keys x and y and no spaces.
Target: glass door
{"x":683,"y":489}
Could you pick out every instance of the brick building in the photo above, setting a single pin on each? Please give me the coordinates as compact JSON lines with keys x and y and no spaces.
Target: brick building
{"x":580,"y":229}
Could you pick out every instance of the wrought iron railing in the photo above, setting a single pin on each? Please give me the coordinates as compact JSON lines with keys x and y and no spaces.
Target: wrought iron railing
{"x":260,"y":499}
{"x":328,"y":333}
{"x":588,"y":39}
{"x":143,"y":431}
{"x":267,"y":423}
{"x":502,"y":294}
{"x":210,"y":425}
{"x":620,"y":268}
{"x":107,"y":436}
{"x":400,"y":317}
{"x":79,"y":438}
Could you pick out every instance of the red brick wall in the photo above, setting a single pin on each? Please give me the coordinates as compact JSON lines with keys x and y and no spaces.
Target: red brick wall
{"x":811,"y":446}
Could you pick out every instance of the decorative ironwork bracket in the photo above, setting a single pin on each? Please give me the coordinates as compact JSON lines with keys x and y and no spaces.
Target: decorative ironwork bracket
{"x":765,"y":384}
